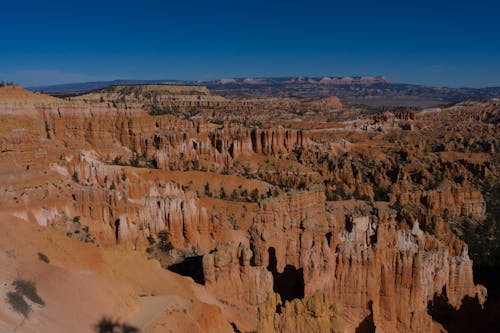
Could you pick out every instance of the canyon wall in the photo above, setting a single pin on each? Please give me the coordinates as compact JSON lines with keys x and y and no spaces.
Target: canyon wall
{"x":296,"y":234}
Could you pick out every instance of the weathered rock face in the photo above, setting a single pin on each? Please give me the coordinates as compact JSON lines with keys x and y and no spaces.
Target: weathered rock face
{"x":331,"y":229}
{"x":311,"y":314}
{"x":363,"y":262}
{"x":300,"y":218}
{"x":169,"y":142}
{"x":229,"y":274}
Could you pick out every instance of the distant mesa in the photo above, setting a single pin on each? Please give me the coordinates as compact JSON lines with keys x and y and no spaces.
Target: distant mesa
{"x":254,"y":81}
{"x":354,"y":80}
{"x":354,"y":90}
{"x":302,"y":79}
{"x":227,"y":81}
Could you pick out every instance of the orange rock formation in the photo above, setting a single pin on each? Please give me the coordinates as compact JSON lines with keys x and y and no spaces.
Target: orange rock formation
{"x":324,"y":227}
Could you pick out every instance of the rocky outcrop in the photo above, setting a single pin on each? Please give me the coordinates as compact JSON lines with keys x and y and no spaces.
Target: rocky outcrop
{"x":312,"y":314}
{"x":364,"y":262}
{"x":231,"y":276}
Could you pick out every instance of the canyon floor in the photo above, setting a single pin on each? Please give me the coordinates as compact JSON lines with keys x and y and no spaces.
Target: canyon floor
{"x":170,"y":208}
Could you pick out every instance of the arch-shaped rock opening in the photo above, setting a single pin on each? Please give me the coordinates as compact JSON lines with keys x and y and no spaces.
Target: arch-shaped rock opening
{"x":253,"y":137}
{"x":289,"y":284}
{"x":192,"y":267}
{"x":348,"y":223}
{"x":373,"y":239}
{"x":328,"y":237}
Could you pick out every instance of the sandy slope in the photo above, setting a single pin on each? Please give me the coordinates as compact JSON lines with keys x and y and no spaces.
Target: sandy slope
{"x":18,"y":94}
{"x":83,"y":283}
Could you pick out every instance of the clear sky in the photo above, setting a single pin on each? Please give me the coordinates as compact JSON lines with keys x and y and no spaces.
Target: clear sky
{"x":443,"y":43}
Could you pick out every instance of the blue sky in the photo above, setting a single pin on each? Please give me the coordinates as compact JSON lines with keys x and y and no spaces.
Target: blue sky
{"x":443,"y":43}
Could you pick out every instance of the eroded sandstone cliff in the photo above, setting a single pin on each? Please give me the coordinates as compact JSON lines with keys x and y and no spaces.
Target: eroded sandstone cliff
{"x":330,"y":226}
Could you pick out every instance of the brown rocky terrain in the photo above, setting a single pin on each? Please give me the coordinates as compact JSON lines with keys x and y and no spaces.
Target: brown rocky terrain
{"x":373,"y":91}
{"x":171,"y":208}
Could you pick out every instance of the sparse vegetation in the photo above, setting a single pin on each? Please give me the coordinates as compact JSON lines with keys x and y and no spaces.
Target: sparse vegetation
{"x":254,"y":195}
{"x":160,"y":246}
{"x":118,"y":160}
{"x":80,"y":232}
{"x":206,"y":188}
{"x":164,"y":243}
{"x":4,"y":84}
{"x":151,"y":240}
{"x":43,"y":257}
{"x":156,"y":110}
{"x":234,"y":195}
{"x":136,"y":161}
{"x":222,"y":193}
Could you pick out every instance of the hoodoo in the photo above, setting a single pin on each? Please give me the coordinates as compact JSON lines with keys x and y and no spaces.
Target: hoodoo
{"x":171,"y":206}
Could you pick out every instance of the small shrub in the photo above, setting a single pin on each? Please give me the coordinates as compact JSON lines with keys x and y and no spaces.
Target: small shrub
{"x":118,"y":160}
{"x":75,"y":177}
{"x":151,"y":240}
{"x":254,"y":195}
{"x":135,"y":160}
{"x":297,"y":151}
{"x":43,"y":257}
{"x":222,"y":193}
{"x":207,"y":189}
{"x":234,"y":195}
{"x":151,"y":164}
{"x":164,"y":244}
{"x":18,"y":304}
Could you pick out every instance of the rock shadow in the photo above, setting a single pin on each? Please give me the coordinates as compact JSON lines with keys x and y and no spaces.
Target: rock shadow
{"x":470,"y":317}
{"x":192,"y":267}
{"x":367,"y":325}
{"x":290,"y":283}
